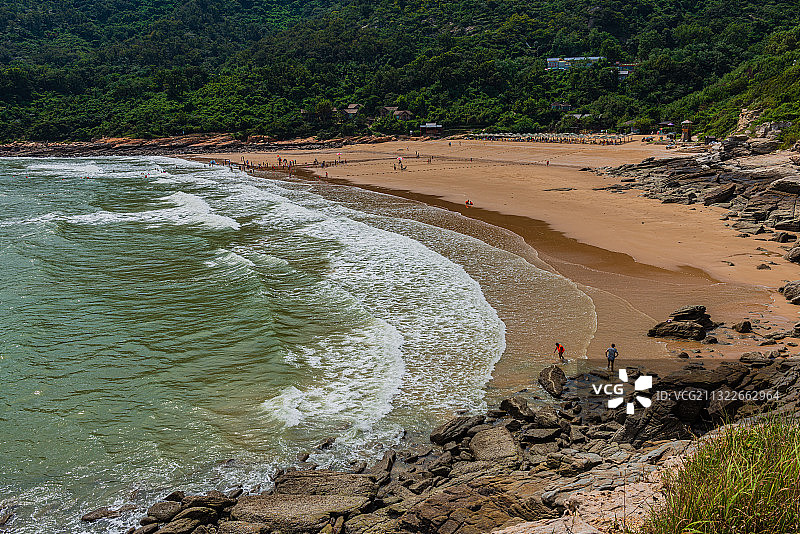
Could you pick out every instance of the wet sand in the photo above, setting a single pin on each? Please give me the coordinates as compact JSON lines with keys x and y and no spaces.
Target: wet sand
{"x":637,"y":258}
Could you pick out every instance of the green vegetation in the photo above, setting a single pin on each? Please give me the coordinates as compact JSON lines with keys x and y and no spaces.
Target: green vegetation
{"x":78,"y":69}
{"x":747,"y":479}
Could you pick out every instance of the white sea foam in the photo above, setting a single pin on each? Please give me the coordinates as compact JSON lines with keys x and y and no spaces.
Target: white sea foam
{"x":77,"y":168}
{"x":358,"y":376}
{"x":189,"y":210}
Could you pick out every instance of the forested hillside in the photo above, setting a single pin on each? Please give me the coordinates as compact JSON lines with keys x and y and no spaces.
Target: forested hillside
{"x":78,"y":69}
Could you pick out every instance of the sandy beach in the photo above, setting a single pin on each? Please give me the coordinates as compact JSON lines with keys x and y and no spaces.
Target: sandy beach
{"x":637,"y":258}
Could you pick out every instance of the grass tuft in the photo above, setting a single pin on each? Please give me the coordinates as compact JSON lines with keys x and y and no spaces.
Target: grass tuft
{"x":746,"y":480}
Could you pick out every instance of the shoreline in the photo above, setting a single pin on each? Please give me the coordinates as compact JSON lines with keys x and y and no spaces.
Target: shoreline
{"x":610,"y":260}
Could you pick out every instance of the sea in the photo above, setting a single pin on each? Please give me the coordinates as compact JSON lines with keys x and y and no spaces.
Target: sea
{"x":169,"y":324}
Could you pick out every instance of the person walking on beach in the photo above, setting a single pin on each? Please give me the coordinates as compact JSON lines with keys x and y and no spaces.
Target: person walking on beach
{"x":611,"y":355}
{"x":560,"y":351}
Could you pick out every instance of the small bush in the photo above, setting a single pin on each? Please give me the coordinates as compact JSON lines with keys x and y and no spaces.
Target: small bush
{"x":746,"y":480}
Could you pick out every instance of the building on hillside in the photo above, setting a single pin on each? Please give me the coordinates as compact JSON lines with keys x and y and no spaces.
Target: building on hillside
{"x":403,"y":115}
{"x":351,"y":110}
{"x":625,"y":69}
{"x":560,"y":106}
{"x":431,"y":128}
{"x":566,"y":63}
{"x":387,"y":111}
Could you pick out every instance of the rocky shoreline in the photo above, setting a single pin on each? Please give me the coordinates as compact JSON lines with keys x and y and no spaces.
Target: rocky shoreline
{"x":571,"y":465}
{"x":747,"y":176}
{"x":166,"y":146}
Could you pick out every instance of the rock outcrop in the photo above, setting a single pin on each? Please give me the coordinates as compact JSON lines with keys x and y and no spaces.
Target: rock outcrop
{"x":552,"y":379}
{"x":761,"y":194}
{"x":519,"y":462}
{"x":689,"y":322}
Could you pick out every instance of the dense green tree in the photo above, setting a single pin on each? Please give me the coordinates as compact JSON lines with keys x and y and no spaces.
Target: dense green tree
{"x":77,"y":69}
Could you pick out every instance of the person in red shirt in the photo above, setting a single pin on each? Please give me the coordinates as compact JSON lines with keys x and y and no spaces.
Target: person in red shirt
{"x":560,"y":351}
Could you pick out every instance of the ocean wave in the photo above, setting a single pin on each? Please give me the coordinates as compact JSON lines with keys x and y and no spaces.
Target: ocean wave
{"x":189,"y":210}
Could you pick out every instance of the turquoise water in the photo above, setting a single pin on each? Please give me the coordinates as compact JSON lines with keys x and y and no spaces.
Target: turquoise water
{"x":166,"y":324}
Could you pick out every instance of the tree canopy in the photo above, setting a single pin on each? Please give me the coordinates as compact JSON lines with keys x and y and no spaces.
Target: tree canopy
{"x":80,"y":69}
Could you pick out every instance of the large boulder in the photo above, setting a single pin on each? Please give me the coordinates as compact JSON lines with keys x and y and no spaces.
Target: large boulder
{"x":494,"y":444}
{"x":791,"y":291}
{"x":552,"y":379}
{"x":678,"y":329}
{"x":793,"y":255}
{"x":212,"y":499}
{"x":694,"y":313}
{"x":455,"y":429}
{"x":760,"y":145}
{"x":180,"y":526}
{"x":689,"y":322}
{"x":658,"y":422}
{"x":164,"y":511}
{"x":324,"y":482}
{"x":295,"y":514}
{"x":517,"y":407}
{"x":719,"y":194}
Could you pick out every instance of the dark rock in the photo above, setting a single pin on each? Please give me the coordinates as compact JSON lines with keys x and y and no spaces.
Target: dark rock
{"x":755,"y":359}
{"x":358,"y":467}
{"x":790,"y":225}
{"x":546,"y":417}
{"x":149,"y":520}
{"x":327,"y":443}
{"x":201,"y":513}
{"x":678,"y":329}
{"x":784,"y":237}
{"x":180,"y":526}
{"x":302,"y":456}
{"x":177,"y":496}
{"x":683,"y":355}
{"x":385,"y":464}
{"x":743,"y":327}
{"x":455,"y":429}
{"x":517,"y":407}
{"x":733,"y":372}
{"x":793,"y":255}
{"x":786,"y":185}
{"x":540,"y":435}
{"x":723,"y":404}
{"x":719,"y":194}
{"x":235,"y":493}
{"x":763,"y":267}
{"x":694,"y":313}
{"x":552,"y":379}
{"x":147,"y":529}
{"x":164,"y":511}
{"x":212,"y":499}
{"x":654,"y":423}
{"x":100,"y":513}
{"x":710,"y":340}
{"x":708,"y":379}
{"x":324,"y":482}
{"x":791,"y":291}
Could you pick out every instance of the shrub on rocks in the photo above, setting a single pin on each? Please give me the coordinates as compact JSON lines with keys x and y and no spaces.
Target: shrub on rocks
{"x":742,"y":480}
